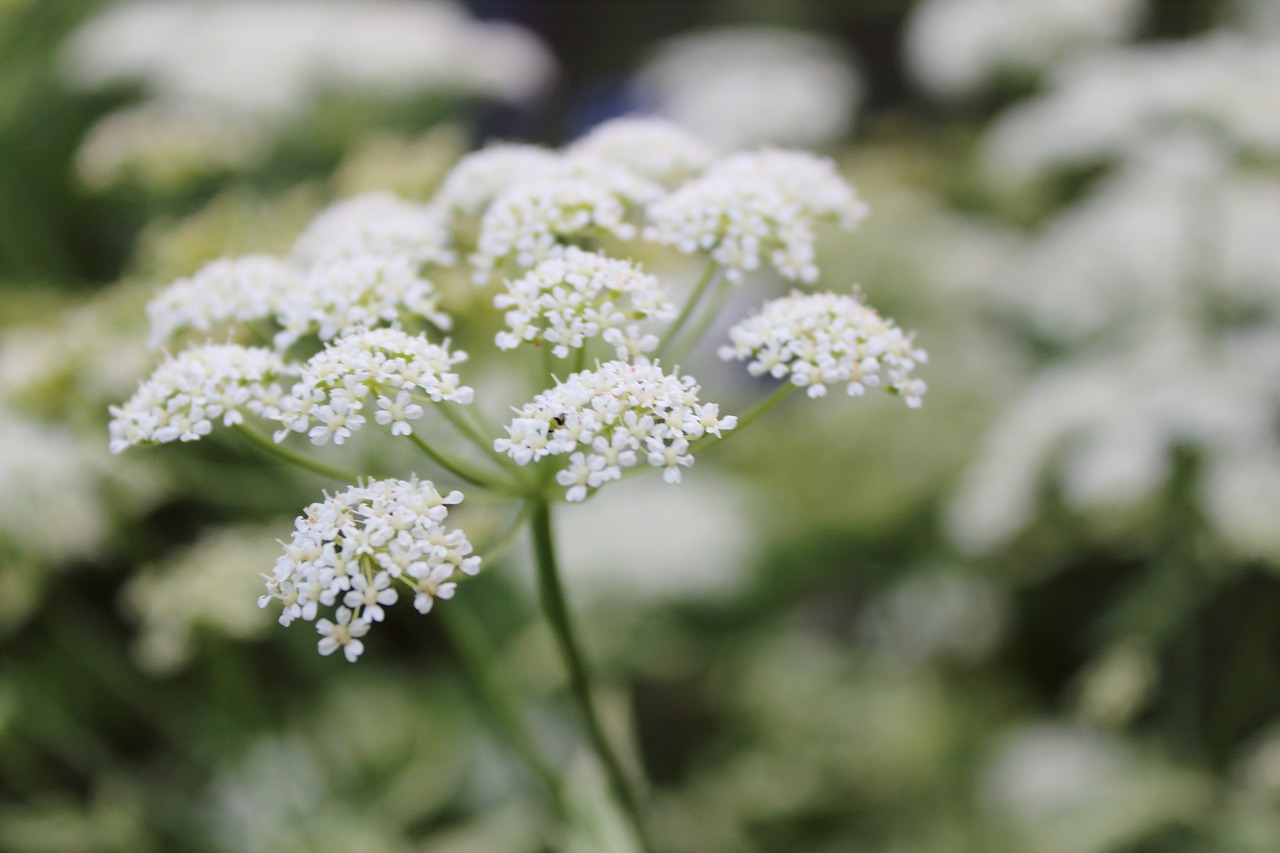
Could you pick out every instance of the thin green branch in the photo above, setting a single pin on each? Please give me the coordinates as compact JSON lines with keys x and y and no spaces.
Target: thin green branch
{"x":669,"y":336}
{"x":556,"y":610}
{"x":708,"y":441}
{"x":293,"y":457}
{"x":472,"y":432}
{"x":460,"y":468}
{"x":679,"y":350}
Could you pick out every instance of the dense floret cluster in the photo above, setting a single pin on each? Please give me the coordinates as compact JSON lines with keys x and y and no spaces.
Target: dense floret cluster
{"x":358,"y":549}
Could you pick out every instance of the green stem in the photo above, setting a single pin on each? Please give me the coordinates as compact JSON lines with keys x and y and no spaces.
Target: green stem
{"x":555,"y":608}
{"x":293,"y":457}
{"x":493,"y":688}
{"x":694,"y":298}
{"x":459,"y":468}
{"x":473,"y":433}
{"x":681,"y":349}
{"x":702,"y":445}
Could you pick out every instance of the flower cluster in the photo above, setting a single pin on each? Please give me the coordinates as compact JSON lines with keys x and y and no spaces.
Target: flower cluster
{"x":348,"y":304}
{"x":650,"y":147}
{"x":607,"y":419}
{"x":230,"y":290}
{"x":398,"y":371}
{"x":576,"y":295}
{"x":377,"y":224}
{"x":160,"y":147}
{"x":820,"y":338}
{"x":581,"y":198}
{"x":480,"y":177}
{"x":353,"y":548}
{"x":749,"y":208}
{"x":344,"y":294}
{"x":188,"y":392}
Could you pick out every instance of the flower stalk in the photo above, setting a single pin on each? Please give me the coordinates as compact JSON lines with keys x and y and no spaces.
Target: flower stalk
{"x":293,"y":457}
{"x":556,"y":610}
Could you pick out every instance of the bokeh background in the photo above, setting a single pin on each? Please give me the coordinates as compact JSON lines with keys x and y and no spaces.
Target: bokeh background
{"x":1040,"y":614}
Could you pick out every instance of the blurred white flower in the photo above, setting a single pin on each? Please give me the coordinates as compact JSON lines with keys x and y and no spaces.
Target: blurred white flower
{"x":53,"y":508}
{"x":697,"y":542}
{"x":651,"y":147}
{"x":938,"y":615}
{"x":271,"y":57}
{"x":242,"y":290}
{"x":739,"y":87}
{"x":1171,"y":232}
{"x":1056,"y":788}
{"x":1104,"y":105}
{"x":207,"y":586}
{"x":162,"y":146}
{"x":1050,"y":769}
{"x":374,"y":224}
{"x":481,"y":176}
{"x":1106,"y":424}
{"x":956,"y":47}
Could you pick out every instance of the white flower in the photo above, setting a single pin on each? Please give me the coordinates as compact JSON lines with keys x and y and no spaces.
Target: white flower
{"x":54,"y":507}
{"x":604,"y":420}
{"x":651,"y":147}
{"x":375,"y":224}
{"x":576,"y":295}
{"x":344,"y":294}
{"x":392,"y":367}
{"x":755,"y":208}
{"x":344,"y":634}
{"x":1110,"y":104}
{"x":582,"y":198}
{"x":270,"y":58}
{"x":371,"y":594}
{"x":240,"y":290}
{"x":188,"y":392}
{"x":954,"y":47}
{"x":161,"y":147}
{"x":202,"y":587}
{"x":743,"y":86}
{"x":356,"y":546}
{"x":821,"y":338}
{"x":481,"y":176}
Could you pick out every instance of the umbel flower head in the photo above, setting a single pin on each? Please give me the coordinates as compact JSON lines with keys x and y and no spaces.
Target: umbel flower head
{"x":576,"y":295}
{"x":609,"y":419}
{"x":579,"y":198}
{"x":821,"y":338}
{"x":230,"y":290}
{"x":188,"y":392}
{"x":343,"y":294}
{"x":481,"y":176}
{"x":386,"y":369}
{"x":652,"y":148}
{"x":358,"y":549}
{"x":379,"y":224}
{"x":754,"y":208}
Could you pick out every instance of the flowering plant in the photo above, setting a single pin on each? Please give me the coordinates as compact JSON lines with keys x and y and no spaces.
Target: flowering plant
{"x":350,"y":329}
